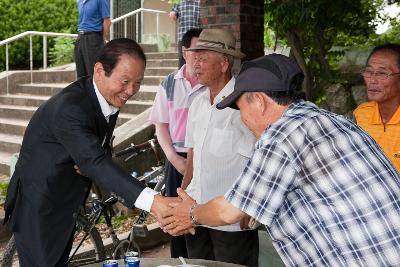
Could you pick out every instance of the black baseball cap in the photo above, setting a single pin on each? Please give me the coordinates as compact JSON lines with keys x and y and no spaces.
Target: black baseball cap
{"x":271,"y":73}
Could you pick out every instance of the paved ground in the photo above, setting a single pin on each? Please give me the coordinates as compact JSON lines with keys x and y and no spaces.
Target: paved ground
{"x":161,"y":251}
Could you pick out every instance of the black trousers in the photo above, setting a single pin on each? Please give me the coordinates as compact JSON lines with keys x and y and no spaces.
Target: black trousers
{"x":86,"y":48}
{"x":27,"y":260}
{"x":234,"y":247}
{"x":173,"y":180}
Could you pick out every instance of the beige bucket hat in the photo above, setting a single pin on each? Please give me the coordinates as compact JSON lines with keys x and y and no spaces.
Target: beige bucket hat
{"x":218,"y":40}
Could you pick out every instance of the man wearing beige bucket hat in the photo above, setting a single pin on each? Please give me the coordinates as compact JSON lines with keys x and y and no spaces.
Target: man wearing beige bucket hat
{"x":219,"y":146}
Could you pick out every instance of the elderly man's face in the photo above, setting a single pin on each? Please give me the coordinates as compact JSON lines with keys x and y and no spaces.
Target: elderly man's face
{"x":382,"y":90}
{"x":209,"y":66}
{"x":124,"y":81}
{"x":250,"y":114}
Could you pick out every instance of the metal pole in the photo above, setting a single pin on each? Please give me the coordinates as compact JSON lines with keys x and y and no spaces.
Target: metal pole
{"x":137,"y":26}
{"x":158,"y":23}
{"x":30,"y":56}
{"x":7,"y":66}
{"x":112,"y":16}
{"x":44,"y":52}
{"x":125,"y":27}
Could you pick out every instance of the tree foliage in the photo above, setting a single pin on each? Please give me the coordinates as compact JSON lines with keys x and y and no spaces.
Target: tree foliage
{"x":19,"y":16}
{"x":312,"y":27}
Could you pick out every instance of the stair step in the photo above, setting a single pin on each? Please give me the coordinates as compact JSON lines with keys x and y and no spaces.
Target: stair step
{"x":162,"y":55}
{"x":10,"y":143}
{"x":124,"y":117}
{"x":159,"y":71}
{"x":136,"y":107}
{"x":13,"y":126}
{"x":40,"y":88}
{"x":146,"y":93}
{"x":23,"y":99}
{"x":17,"y":112}
{"x":153,"y":80}
{"x":149,"y":47}
{"x":5,"y":160}
{"x":154,"y":63}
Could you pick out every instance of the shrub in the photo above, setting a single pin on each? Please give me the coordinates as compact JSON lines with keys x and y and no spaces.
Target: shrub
{"x":19,"y":16}
{"x":62,"y":52}
{"x":3,"y":191}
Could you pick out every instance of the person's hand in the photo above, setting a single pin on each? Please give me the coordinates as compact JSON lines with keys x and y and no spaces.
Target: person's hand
{"x":161,"y":205}
{"x":172,"y":15}
{"x":177,"y":221}
{"x":244,"y":222}
{"x":179,"y":163}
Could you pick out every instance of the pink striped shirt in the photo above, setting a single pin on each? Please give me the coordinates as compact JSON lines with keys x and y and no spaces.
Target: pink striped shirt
{"x":171,"y":105}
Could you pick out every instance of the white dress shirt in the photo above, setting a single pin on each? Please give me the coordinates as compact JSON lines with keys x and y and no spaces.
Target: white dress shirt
{"x":146,"y":197}
{"x":221,"y":144}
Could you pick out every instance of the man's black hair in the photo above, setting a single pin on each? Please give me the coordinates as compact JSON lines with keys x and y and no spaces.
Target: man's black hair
{"x":188,"y":36}
{"x":388,"y":47}
{"x":113,"y":50}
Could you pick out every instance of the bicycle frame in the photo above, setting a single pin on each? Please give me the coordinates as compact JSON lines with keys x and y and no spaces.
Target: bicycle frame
{"x":100,"y":208}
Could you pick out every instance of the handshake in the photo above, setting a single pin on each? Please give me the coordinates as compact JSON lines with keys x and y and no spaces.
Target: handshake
{"x":180,"y":215}
{"x":175,"y":214}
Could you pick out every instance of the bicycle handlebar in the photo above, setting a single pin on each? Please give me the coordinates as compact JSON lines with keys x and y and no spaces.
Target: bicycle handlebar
{"x":136,"y":148}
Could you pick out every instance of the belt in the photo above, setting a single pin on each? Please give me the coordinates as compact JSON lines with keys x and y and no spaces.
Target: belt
{"x":86,"y":33}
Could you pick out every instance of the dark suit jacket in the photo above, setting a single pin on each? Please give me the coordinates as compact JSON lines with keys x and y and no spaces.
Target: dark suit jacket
{"x":45,"y":191}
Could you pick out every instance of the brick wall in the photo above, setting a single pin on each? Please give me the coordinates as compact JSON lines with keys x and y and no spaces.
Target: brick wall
{"x":245,"y":18}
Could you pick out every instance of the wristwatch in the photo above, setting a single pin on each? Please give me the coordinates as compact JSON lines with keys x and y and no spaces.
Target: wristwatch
{"x":192,"y":219}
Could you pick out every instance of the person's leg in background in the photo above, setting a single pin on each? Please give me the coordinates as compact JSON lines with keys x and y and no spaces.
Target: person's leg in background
{"x":236,"y":247}
{"x":199,"y":245}
{"x":79,"y":61}
{"x":173,"y":180}
{"x":86,"y":48}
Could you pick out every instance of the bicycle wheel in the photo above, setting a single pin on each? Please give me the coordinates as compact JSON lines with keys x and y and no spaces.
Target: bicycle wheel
{"x":10,"y":253}
{"x":86,"y":238}
{"x":125,"y":246}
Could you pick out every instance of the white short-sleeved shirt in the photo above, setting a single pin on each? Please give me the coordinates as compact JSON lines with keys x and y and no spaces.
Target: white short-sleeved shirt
{"x":221,"y":144}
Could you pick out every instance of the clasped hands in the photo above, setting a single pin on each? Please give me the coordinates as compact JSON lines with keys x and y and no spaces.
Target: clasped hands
{"x":175,"y":219}
{"x":173,"y":216}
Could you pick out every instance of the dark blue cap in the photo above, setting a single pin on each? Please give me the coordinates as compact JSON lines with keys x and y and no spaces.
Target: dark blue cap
{"x":271,"y":73}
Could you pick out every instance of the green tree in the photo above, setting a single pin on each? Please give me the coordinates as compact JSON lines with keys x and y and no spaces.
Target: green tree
{"x":312,"y":27}
{"x":19,"y":16}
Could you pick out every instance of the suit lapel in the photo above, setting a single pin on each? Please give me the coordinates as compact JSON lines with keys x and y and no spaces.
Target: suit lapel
{"x":110,"y":129}
{"x":87,"y":84}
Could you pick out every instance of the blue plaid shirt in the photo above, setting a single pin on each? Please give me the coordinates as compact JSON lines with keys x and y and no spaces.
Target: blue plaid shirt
{"x":325,"y":191}
{"x":188,"y":13}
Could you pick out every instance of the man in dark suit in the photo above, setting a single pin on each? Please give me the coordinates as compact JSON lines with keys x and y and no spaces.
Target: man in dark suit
{"x":73,"y":129}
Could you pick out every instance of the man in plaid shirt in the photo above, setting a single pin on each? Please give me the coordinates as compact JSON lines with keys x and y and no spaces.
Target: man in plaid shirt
{"x":323,"y":188}
{"x":187,"y":12}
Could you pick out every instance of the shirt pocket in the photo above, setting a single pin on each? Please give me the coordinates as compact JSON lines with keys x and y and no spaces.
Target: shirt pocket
{"x":221,"y":142}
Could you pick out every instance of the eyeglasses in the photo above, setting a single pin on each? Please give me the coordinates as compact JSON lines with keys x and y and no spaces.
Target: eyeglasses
{"x":380,"y":75}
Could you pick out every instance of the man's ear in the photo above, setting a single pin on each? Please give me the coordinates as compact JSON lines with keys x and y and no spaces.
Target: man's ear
{"x":225,"y":64}
{"x":98,"y":71}
{"x":259,"y":100}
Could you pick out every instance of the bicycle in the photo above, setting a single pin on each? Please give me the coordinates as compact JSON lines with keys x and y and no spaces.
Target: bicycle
{"x":86,"y":222}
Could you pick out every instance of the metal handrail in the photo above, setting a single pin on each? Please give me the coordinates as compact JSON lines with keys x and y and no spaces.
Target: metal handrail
{"x":54,"y":34}
{"x":127,"y":15}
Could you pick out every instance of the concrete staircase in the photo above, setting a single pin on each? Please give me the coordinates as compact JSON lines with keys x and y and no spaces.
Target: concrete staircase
{"x":24,"y":97}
